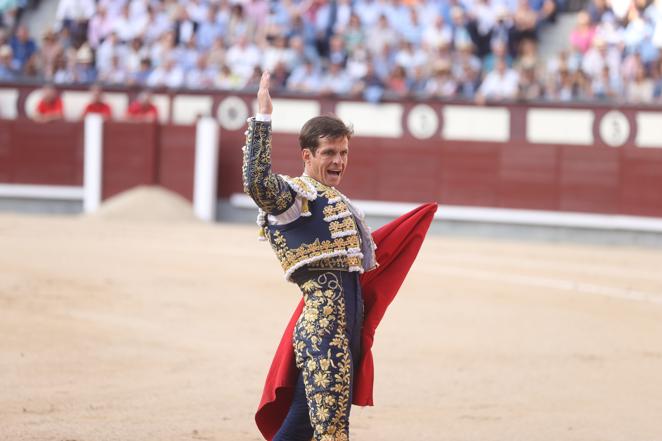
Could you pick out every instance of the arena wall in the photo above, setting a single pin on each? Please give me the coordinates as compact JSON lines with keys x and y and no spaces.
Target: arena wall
{"x":536,"y":156}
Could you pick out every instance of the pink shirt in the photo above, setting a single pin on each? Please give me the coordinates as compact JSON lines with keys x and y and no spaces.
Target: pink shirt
{"x":582,"y":39}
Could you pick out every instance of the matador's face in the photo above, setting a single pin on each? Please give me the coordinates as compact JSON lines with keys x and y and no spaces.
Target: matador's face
{"x":328,"y":163}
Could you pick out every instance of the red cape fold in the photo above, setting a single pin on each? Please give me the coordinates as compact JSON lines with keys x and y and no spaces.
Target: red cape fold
{"x":398,"y":243}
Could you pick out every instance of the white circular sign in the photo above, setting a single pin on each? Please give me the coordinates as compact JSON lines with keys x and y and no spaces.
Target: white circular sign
{"x":232,"y":113}
{"x":614,"y":128}
{"x":422,"y":121}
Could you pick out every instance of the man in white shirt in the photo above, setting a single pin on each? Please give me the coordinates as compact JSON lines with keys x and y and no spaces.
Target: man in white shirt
{"x":500,"y":84}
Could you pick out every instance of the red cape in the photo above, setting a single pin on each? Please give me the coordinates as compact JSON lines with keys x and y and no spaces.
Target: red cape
{"x":398,"y":243}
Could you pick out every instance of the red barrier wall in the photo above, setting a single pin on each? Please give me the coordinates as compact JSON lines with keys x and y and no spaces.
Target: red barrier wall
{"x":176,"y":159}
{"x":591,"y":171}
{"x":49,"y":153}
{"x":134,"y":154}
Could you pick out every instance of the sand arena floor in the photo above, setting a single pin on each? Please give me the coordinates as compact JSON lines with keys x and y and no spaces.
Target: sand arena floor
{"x":116,"y":330}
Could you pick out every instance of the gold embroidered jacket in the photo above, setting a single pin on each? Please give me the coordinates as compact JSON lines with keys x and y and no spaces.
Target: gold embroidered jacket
{"x":329,"y":233}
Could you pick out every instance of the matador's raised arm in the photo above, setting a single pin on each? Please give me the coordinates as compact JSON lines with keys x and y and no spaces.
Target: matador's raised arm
{"x":269,"y":191}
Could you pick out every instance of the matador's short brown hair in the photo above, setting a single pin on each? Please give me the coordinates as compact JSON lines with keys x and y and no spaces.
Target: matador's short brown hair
{"x":326,"y":126}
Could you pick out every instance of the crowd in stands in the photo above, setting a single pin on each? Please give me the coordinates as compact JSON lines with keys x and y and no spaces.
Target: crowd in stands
{"x":482,"y":50}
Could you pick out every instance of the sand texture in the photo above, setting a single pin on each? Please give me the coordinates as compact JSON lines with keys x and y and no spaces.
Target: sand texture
{"x":162,"y":331}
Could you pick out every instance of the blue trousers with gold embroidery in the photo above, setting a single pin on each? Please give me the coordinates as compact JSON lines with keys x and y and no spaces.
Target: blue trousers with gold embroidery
{"x":327,"y":345}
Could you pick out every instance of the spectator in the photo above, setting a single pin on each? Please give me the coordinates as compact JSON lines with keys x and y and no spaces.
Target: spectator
{"x":157,"y":23}
{"x":410,"y":57}
{"x":97,"y":104}
{"x":133,"y":55}
{"x":208,"y":30}
{"x":483,"y":20}
{"x":184,"y":26}
{"x":357,"y":64}
{"x":228,"y":80}
{"x":298,"y":52}
{"x":605,"y":86}
{"x":353,"y":34}
{"x":253,"y":81}
{"x":396,"y":83}
{"x":74,"y":15}
{"x":196,"y":10}
{"x":168,"y":74}
{"x":641,"y":89}
{"x":545,"y":9}
{"x":636,"y":30}
{"x":142,"y":108}
{"x":411,"y":29}
{"x":525,"y":24}
{"x":465,"y":57}
{"x":599,"y":56}
{"x":437,"y":33}
{"x":257,"y":12}
{"x":7,"y":72}
{"x":337,"y":53}
{"x":597,"y":9}
{"x":369,"y":12}
{"x":304,"y":30}
{"x":343,"y":16}
{"x":279,"y":76}
{"x":442,"y":84}
{"x":461,"y":33}
{"x":620,"y":8}
{"x":653,"y":14}
{"x":201,"y":76}
{"x":500,"y":84}
{"x":187,"y":56}
{"x":582,"y":87}
{"x":417,"y":82}
{"x":23,"y":48}
{"x":384,"y":62}
{"x":657,"y":80}
{"x":111,"y":47}
{"x":51,"y":49}
{"x":116,"y":74}
{"x":381,"y":36}
{"x":609,"y":31}
{"x":322,"y":16}
{"x":528,"y":53}
{"x":49,"y":106}
{"x":501,"y":31}
{"x":243,"y":57}
{"x":499,"y":52}
{"x":124,"y":27}
{"x":238,"y":26}
{"x":278,"y":53}
{"x":581,"y":37}
{"x":305,"y":78}
{"x":140,"y":76}
{"x":336,"y":81}
{"x":163,"y":49}
{"x":84,"y":72}
{"x":371,"y":86}
{"x":99,"y":27}
{"x":216,"y":55}
{"x":529,"y":88}
{"x":63,"y":69}
{"x":468,"y":81}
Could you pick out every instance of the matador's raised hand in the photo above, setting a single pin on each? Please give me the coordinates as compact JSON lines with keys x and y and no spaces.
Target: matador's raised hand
{"x":264,"y":104}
